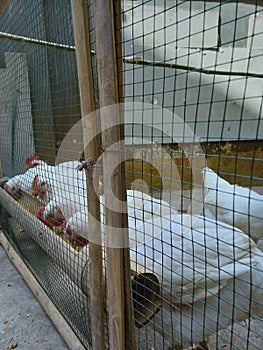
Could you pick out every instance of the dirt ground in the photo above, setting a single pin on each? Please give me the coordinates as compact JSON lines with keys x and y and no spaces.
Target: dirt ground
{"x":24,"y":324}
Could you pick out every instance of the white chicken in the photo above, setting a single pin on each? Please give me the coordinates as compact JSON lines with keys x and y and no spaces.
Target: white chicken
{"x":24,"y":181}
{"x":51,"y":180}
{"x":211,"y":274}
{"x":68,"y":197}
{"x":212,"y":268}
{"x":13,"y":185}
{"x":35,"y":179}
{"x":235,"y":205}
{"x":140,"y":206}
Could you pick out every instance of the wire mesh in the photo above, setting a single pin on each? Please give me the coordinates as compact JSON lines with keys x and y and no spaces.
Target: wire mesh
{"x":191,"y":87}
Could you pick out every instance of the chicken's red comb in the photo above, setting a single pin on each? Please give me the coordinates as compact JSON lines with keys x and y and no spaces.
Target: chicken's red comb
{"x":6,"y":188}
{"x":31,"y":161}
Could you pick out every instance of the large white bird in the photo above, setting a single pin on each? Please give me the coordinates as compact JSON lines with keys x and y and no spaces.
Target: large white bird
{"x":140,"y":206}
{"x":235,"y":205}
{"x":211,"y":268}
{"x":13,"y":185}
{"x":69,"y":195}
{"x":211,"y":274}
{"x":28,"y":181}
{"x":54,"y":181}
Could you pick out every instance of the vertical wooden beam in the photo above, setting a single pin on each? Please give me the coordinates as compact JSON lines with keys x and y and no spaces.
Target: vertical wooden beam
{"x":130,"y":339}
{"x":82,"y":41}
{"x":112,"y":124}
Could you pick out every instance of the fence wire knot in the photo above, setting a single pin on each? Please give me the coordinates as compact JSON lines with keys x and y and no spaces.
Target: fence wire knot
{"x":91,"y":170}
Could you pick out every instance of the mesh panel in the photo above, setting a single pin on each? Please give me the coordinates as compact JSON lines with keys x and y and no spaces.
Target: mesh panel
{"x":189,"y":81}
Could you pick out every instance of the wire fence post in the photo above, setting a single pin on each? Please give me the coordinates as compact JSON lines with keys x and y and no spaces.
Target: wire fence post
{"x":84,"y":64}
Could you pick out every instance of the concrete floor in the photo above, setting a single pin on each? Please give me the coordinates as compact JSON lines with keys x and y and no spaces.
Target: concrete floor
{"x":24,"y":324}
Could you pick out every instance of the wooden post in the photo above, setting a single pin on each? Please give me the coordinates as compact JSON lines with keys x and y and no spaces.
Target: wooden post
{"x":112,"y":124}
{"x":84,"y":64}
{"x":130,"y":314}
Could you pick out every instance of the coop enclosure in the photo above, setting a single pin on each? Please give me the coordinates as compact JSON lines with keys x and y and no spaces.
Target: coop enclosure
{"x":156,"y":244}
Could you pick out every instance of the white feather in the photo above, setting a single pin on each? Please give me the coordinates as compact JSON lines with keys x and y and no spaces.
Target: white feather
{"x":235,"y":205}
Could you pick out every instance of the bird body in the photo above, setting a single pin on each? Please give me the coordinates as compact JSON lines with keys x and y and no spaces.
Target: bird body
{"x":235,"y":205}
{"x":72,"y":199}
{"x":193,"y":256}
{"x":21,"y":181}
{"x":140,"y":206}
{"x":213,"y":269}
{"x":143,"y":206}
{"x":238,"y":299}
{"x":211,"y":252}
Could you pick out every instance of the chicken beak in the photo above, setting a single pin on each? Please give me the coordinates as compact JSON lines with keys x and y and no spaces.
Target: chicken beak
{"x":35,"y":193}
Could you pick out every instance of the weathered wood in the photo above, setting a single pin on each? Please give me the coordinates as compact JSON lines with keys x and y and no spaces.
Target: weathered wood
{"x":60,"y":323}
{"x":84,"y":64}
{"x":112,"y":126}
{"x":130,"y":306}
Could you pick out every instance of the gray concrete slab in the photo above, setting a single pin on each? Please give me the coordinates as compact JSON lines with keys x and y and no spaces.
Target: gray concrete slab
{"x":23,"y":323}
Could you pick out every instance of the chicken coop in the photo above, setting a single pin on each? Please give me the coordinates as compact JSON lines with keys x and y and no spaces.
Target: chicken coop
{"x":131,"y":177}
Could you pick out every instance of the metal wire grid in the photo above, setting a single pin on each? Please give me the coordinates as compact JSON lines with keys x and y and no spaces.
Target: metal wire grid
{"x":166,"y":72}
{"x":159,"y":72}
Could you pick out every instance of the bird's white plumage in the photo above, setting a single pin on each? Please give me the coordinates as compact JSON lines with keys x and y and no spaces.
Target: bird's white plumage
{"x":213,"y":268}
{"x":69,"y":188}
{"x":235,"y":205}
{"x":71,"y":198}
{"x":24,"y":181}
{"x":193,"y":256}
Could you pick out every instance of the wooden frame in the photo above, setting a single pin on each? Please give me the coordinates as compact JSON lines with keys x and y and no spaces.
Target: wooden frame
{"x":118,"y":265}
{"x":84,"y":64}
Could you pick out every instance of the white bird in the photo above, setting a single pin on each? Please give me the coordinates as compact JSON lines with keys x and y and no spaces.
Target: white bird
{"x":22,"y":181}
{"x":54,"y":180}
{"x":140,"y":206}
{"x":13,"y":185}
{"x":69,"y":195}
{"x":36,"y":179}
{"x":211,"y":268}
{"x":211,"y":274}
{"x":235,"y":205}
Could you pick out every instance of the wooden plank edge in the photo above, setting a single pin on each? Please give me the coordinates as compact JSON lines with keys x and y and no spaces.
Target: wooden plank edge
{"x":55,"y":316}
